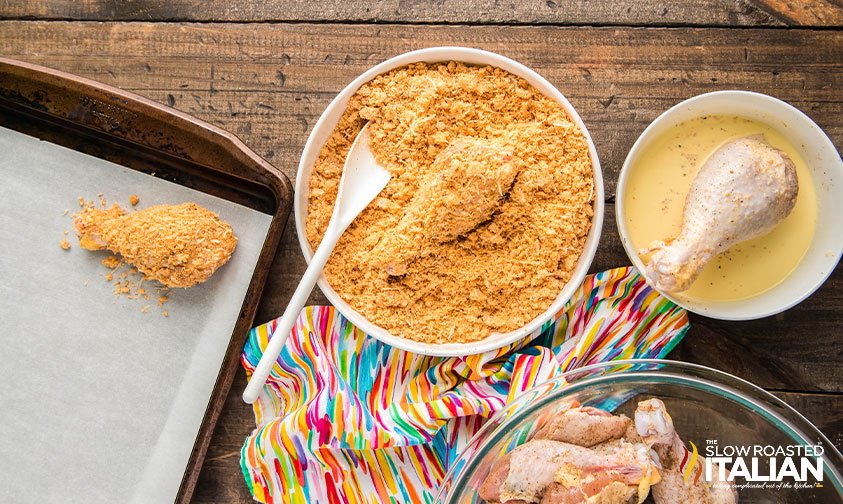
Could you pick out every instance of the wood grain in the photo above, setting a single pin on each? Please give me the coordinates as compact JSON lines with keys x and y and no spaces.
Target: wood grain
{"x":824,"y":410}
{"x":268,"y":83}
{"x":826,"y":13}
{"x":813,"y":13}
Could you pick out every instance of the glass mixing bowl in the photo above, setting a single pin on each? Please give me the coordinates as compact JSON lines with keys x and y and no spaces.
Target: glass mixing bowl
{"x":716,"y":411}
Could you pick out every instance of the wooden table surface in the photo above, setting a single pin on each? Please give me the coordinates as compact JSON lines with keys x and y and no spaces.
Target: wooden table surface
{"x":265,"y":71}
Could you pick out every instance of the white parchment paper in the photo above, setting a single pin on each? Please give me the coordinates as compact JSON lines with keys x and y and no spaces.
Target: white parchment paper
{"x":100,"y":402}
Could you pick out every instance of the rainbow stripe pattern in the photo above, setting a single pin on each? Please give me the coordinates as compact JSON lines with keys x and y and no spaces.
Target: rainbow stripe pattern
{"x":347,"y":419}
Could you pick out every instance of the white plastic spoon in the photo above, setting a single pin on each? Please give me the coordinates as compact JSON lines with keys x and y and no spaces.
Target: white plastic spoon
{"x":362,"y":180}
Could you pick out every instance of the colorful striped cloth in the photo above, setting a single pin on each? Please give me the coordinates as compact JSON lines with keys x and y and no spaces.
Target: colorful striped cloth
{"x":345,"y":418}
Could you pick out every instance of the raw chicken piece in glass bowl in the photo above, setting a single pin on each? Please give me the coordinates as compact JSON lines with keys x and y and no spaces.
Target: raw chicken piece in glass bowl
{"x":723,"y":416}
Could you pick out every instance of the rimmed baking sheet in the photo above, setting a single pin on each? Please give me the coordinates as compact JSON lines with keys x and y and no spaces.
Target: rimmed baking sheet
{"x":101,"y":400}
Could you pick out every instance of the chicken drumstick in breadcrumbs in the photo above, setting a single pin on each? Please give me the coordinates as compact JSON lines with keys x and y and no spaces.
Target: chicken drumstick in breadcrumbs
{"x":470,"y":180}
{"x":178,"y":245}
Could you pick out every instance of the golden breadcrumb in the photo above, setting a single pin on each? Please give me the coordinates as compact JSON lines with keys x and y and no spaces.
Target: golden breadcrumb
{"x":485,"y":275}
{"x":111,"y":261}
{"x":64,"y":244}
{"x":133,"y":199}
{"x":178,"y":245}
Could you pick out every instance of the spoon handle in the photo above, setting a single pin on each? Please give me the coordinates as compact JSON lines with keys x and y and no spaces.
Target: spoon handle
{"x":291,"y":314}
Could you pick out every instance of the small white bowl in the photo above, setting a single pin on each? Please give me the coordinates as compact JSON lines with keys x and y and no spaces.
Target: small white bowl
{"x":325,"y":126}
{"x":826,"y":169}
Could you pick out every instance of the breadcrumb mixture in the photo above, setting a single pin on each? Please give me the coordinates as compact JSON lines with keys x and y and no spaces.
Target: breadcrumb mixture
{"x":503,"y":271}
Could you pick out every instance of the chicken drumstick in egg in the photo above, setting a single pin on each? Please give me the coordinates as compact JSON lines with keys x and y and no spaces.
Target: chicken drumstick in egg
{"x":741,"y":192}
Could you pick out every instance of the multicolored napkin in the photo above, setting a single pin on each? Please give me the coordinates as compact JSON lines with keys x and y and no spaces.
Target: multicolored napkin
{"x":345,"y":418}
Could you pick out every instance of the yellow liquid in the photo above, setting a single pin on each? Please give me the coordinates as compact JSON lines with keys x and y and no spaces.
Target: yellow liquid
{"x":655,"y":198}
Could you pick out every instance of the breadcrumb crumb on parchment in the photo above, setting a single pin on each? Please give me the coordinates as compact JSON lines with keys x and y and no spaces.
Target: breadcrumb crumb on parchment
{"x":495,"y":277}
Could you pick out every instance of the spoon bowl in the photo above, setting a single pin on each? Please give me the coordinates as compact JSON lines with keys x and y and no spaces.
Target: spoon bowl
{"x":362,"y":180}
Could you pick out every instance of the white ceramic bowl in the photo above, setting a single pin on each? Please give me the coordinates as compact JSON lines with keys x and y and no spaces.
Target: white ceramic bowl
{"x":826,"y":169}
{"x":322,"y":130}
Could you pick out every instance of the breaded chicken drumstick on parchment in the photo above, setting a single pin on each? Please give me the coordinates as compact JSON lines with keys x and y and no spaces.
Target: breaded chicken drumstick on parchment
{"x":178,"y":245}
